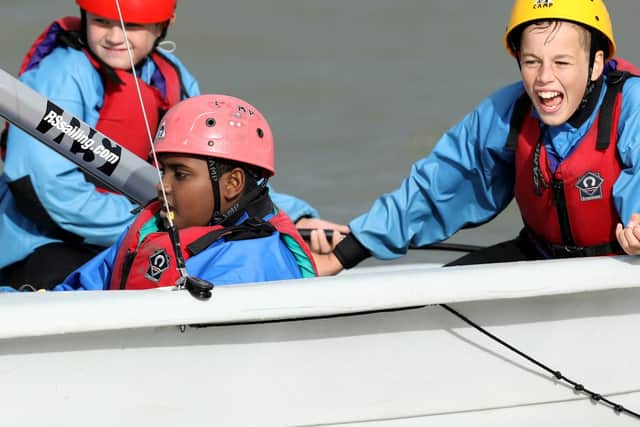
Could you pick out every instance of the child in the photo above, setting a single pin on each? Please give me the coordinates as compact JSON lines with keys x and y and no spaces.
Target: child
{"x":562,"y":142}
{"x":52,"y":219}
{"x":216,"y":153}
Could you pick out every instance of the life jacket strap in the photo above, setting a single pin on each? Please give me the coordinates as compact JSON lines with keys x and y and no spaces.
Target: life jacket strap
{"x":551,"y":250}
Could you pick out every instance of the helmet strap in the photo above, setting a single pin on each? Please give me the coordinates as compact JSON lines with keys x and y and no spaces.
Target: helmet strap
{"x":591,"y":84}
{"x":592,"y":59}
{"x":217,"y":218}
{"x":588,"y":104}
{"x":83,"y":27}
{"x":235,"y":211}
{"x":231,"y":214}
{"x":163,"y":35}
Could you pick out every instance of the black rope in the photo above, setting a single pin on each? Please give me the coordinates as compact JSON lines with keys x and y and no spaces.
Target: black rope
{"x":596,"y":397}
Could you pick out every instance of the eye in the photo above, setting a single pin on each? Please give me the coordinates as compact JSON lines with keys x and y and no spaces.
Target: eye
{"x":100,"y":21}
{"x":529,"y":62}
{"x":180,"y":175}
{"x":131,"y":26}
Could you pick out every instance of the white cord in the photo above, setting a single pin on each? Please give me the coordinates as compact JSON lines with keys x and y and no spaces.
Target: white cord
{"x":168,"y":46}
{"x":144,"y":115}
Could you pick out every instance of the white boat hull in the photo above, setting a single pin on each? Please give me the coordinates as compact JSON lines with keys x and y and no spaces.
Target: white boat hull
{"x":321,"y":355}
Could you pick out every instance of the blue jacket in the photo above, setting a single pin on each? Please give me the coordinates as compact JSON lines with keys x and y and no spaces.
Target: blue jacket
{"x":68,"y":79}
{"x":468,"y":178}
{"x":222,"y":263}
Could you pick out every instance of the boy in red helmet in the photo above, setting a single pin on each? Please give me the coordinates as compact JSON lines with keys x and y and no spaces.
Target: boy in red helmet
{"x":216,"y":153}
{"x":52,"y":219}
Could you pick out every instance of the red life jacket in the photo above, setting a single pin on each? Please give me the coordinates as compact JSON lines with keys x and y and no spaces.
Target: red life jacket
{"x":570,"y":211}
{"x":151,"y":263}
{"x":121,"y":117}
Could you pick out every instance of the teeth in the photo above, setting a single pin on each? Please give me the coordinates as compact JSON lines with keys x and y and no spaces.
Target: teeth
{"x":548,"y":95}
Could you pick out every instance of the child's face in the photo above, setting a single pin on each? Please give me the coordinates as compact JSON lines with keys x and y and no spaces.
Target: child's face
{"x":554,"y":63}
{"x":188,"y":188}
{"x":106,"y":40}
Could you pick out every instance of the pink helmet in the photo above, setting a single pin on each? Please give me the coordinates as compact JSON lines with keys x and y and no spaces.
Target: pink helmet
{"x":218,"y":126}
{"x":136,"y":11}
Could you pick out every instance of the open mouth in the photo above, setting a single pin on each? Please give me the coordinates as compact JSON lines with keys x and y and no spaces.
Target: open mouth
{"x":550,"y":100}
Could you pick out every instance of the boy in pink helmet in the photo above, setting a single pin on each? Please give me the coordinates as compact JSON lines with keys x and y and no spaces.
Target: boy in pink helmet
{"x":216,"y":153}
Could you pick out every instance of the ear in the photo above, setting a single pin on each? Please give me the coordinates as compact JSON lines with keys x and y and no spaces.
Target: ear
{"x":598,"y":66}
{"x":232,"y":184}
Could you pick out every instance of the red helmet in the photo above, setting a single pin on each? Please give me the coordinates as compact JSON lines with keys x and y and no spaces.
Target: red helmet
{"x":136,"y":11}
{"x":218,"y":126}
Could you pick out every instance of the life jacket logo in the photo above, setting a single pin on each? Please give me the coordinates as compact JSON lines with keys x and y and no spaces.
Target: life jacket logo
{"x":539,"y":4}
{"x":590,"y":186}
{"x":158,"y":263}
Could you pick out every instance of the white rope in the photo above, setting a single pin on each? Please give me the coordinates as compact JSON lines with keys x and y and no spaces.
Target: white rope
{"x":168,"y":46}
{"x":144,"y":115}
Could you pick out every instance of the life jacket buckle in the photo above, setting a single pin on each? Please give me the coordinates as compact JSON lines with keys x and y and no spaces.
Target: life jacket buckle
{"x":566,"y":251}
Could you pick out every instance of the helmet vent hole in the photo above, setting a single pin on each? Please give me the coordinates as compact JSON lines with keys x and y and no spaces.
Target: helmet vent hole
{"x":597,"y":18}
{"x":211,"y":122}
{"x":260,"y":133}
{"x":210,"y":143}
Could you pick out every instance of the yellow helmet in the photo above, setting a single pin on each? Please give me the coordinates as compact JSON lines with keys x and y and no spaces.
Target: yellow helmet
{"x":591,"y":13}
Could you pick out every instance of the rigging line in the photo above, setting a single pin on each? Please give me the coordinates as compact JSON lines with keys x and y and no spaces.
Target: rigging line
{"x":144,"y":113}
{"x":198,"y":288}
{"x":596,"y":397}
{"x":183,"y":282}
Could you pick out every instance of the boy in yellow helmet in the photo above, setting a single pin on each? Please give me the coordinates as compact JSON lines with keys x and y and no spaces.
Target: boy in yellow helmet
{"x":562,"y":141}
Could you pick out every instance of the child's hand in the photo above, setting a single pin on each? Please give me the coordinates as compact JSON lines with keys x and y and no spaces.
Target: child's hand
{"x":629,"y":236}
{"x":323,"y":224}
{"x":318,"y":243}
{"x":321,"y":247}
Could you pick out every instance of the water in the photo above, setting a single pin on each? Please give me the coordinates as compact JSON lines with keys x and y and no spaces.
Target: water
{"x":355,"y":90}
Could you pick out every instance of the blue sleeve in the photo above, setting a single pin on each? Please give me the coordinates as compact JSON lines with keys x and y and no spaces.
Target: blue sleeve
{"x":466,"y":180}
{"x":294,"y":207}
{"x":71,"y":201}
{"x":625,"y":191}
{"x":95,"y":274}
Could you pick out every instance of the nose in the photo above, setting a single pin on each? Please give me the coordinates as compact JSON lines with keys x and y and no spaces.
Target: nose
{"x":164,"y":182}
{"x":545,"y":73}
{"x":115,"y":35}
